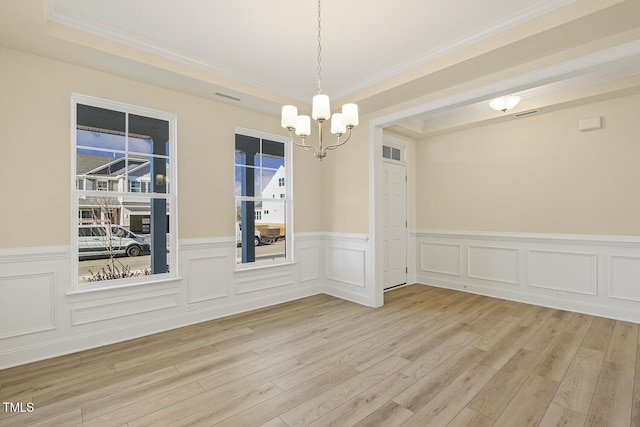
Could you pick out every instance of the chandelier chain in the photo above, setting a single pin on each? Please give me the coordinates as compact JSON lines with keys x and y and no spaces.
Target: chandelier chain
{"x":319,"y":52}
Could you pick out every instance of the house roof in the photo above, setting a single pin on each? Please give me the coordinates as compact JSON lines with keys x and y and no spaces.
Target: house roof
{"x":89,"y":164}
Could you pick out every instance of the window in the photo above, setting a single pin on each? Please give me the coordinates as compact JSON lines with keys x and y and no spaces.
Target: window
{"x":391,"y":153}
{"x":123,"y":165}
{"x":263,"y":208}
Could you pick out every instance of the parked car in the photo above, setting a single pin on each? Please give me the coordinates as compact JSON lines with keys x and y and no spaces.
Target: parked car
{"x":257,"y":238}
{"x":103,"y":240}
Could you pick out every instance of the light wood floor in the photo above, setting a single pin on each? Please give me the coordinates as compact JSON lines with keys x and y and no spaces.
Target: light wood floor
{"x":428,"y":357}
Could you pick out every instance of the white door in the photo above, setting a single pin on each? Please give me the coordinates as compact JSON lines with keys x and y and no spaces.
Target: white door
{"x":394,"y":199}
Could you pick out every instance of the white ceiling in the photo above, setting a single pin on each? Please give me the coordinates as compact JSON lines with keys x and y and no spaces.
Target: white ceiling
{"x":273,"y":44}
{"x":430,"y":64}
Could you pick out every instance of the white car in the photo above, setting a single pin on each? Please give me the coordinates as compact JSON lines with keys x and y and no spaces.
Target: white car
{"x":103,"y":240}
{"x":256,"y":238}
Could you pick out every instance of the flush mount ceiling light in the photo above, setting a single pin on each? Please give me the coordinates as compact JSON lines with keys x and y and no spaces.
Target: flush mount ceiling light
{"x":504,"y":103}
{"x":341,"y":123}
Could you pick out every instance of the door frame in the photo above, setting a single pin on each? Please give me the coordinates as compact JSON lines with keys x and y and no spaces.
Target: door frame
{"x":403,"y":145}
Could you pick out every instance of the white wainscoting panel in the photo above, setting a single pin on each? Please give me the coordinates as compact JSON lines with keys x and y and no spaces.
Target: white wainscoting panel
{"x":309,"y":263}
{"x":563,"y":271}
{"x":598,"y":275}
{"x":209,"y":278}
{"x":624,"y":277}
{"x":495,"y":264}
{"x":116,"y":307}
{"x":28,"y":304}
{"x":268,"y":278}
{"x":346,"y":265}
{"x":442,"y":258}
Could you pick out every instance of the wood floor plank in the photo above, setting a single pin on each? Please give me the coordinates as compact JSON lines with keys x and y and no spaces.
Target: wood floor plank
{"x":546,"y":335}
{"x":430,"y":340}
{"x":484,"y":324}
{"x":579,"y":383}
{"x":327,"y":401}
{"x":480,"y":311}
{"x":50,"y":405}
{"x":127,"y":411}
{"x":444,"y":407}
{"x":496,"y":333}
{"x":260,"y":372}
{"x":54,"y":383}
{"x":559,"y":357}
{"x":430,"y":360}
{"x":276,"y":422}
{"x":503,"y":351}
{"x":470,"y":418}
{"x":216,"y":412}
{"x":389,"y":415}
{"x":623,"y":345}
{"x":234,"y":373}
{"x":529,"y":405}
{"x":367,"y":402}
{"x":613,"y":397}
{"x":599,"y":334}
{"x":353,"y":345}
{"x":382,"y":352}
{"x":284,"y":402}
{"x":168,"y":356}
{"x":579,"y":324}
{"x":426,"y":388}
{"x":557,"y":415}
{"x":71,"y":418}
{"x":305,"y":373}
{"x":498,"y":392}
{"x":538,"y":316}
{"x":133,"y":395}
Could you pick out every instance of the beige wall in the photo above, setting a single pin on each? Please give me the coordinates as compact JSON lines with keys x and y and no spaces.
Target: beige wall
{"x":35,"y":149}
{"x":537,"y":174}
{"x":345,"y":190}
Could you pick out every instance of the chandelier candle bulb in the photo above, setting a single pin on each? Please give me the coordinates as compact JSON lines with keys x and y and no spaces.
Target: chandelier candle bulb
{"x":350,"y":115}
{"x":321,"y":109}
{"x":337,"y":125}
{"x":303,"y":126}
{"x":289,"y":116}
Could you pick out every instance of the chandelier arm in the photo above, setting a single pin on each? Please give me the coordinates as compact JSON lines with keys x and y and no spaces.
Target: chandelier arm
{"x":303,"y":144}
{"x":339,"y":143}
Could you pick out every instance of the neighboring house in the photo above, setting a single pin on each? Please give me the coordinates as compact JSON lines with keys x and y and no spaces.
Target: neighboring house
{"x":94,"y":172}
{"x":272,"y":212}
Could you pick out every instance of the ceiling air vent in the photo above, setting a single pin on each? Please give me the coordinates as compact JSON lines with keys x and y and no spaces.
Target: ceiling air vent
{"x":525,"y":113}
{"x":223,"y":95}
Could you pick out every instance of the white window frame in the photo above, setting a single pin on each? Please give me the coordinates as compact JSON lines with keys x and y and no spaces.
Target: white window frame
{"x":288,"y":200}
{"x":171,"y":196}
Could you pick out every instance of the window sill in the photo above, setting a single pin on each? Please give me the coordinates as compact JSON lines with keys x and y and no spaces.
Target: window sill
{"x":84,"y":289}
{"x":253,"y":267}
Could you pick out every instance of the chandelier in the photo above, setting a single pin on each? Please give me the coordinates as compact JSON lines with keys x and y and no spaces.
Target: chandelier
{"x":341,"y":123}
